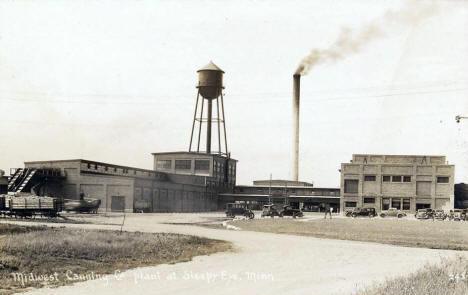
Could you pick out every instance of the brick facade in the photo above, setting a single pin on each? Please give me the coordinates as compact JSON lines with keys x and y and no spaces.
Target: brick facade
{"x":401,"y":181}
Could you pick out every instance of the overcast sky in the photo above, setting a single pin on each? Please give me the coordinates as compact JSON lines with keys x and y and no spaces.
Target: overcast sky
{"x":114,"y":81}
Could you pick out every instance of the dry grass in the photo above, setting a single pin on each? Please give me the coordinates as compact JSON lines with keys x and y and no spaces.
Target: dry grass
{"x":46,"y":251}
{"x":402,"y":232}
{"x":449,"y":277}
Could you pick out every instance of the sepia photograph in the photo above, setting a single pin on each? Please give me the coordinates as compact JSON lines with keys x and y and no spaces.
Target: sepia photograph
{"x":303,"y":147}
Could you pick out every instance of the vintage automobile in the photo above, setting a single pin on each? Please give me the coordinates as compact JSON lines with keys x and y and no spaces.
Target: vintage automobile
{"x":290,"y":211}
{"x":87,"y":205}
{"x":236,"y":209}
{"x":459,"y":214}
{"x":424,"y":213}
{"x":392,"y":212}
{"x":270,"y":210}
{"x":370,"y":212}
{"x":439,"y":214}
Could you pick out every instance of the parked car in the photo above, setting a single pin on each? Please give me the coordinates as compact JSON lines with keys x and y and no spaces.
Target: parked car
{"x":362,"y":212}
{"x":392,"y":212}
{"x":424,"y":213}
{"x":348,"y":213}
{"x":290,"y":211}
{"x":236,"y":209}
{"x":270,"y":210}
{"x":459,"y":214}
{"x":439,"y":214}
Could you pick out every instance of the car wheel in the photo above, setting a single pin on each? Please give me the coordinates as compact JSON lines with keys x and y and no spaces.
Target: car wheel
{"x":399,"y":215}
{"x":382,"y":215}
{"x":281,"y":215}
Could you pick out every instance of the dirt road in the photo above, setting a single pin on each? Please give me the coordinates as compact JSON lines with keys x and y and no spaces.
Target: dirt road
{"x":262,"y":264}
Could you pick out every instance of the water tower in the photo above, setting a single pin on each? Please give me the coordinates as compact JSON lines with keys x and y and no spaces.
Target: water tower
{"x":210,"y":88}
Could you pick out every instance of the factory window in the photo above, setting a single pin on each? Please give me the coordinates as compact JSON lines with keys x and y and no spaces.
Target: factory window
{"x":406,"y":204}
{"x":89,"y":166}
{"x":396,"y":203}
{"x":369,"y":200}
{"x":406,"y":178}
{"x":369,"y":178}
{"x":351,"y":186}
{"x":115,"y":169}
{"x":385,"y":203}
{"x":350,"y":204}
{"x":442,"y":179}
{"x":183,"y":164}
{"x":396,"y":178}
{"x":164,"y":164}
{"x":202,"y":165}
{"x":386,"y":178}
{"x":106,"y":168}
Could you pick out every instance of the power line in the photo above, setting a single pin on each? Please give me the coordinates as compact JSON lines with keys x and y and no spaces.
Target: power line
{"x":425,"y":84}
{"x":269,"y":98}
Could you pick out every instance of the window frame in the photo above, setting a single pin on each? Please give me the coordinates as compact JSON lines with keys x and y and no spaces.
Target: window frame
{"x":370,"y":178}
{"x":348,"y":202}
{"x":368,"y":198}
{"x":443,"y":177}
{"x":205,"y":161}
{"x":346,"y":187}
{"x":397,"y":176}
{"x":186,"y":167}
{"x":159,"y":164}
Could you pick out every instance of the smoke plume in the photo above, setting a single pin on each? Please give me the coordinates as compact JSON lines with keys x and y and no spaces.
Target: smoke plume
{"x":349,"y":42}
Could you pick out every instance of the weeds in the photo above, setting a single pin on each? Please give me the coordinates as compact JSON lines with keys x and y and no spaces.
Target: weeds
{"x":45,"y":251}
{"x":448,"y":277}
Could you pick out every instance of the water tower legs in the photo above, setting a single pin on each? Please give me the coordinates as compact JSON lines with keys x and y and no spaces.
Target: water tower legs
{"x":208,"y":126}
{"x":201,"y":116}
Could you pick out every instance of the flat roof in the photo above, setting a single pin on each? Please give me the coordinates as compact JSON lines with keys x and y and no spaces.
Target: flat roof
{"x":91,"y":162}
{"x":283,"y":186}
{"x":398,"y":155}
{"x":193,"y":153}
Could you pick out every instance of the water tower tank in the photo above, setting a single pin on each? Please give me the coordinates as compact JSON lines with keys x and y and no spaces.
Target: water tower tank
{"x":210,"y":81}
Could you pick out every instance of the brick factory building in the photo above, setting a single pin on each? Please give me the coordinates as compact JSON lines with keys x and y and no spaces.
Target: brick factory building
{"x":404,"y":182}
{"x":190,"y":182}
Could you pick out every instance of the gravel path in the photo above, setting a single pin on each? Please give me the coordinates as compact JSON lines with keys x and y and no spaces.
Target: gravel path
{"x":262,"y":263}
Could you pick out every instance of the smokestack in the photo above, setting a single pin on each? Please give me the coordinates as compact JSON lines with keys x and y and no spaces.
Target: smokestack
{"x":296,"y":100}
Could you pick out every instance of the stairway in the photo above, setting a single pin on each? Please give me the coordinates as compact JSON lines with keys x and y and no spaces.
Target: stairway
{"x":27,"y":177}
{"x":20,"y":180}
{"x":12,"y":181}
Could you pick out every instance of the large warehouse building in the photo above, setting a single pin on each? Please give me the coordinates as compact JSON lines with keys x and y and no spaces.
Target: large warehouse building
{"x":404,"y":182}
{"x":191,"y":182}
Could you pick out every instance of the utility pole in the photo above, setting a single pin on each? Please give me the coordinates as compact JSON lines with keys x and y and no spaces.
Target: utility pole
{"x":269,"y":192}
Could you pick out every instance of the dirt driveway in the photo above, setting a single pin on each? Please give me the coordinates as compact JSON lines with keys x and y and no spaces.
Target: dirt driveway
{"x":262,"y":264}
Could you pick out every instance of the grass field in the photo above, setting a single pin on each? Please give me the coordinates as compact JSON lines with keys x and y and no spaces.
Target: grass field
{"x":402,"y":232}
{"x":449,"y":277}
{"x":52,"y":254}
